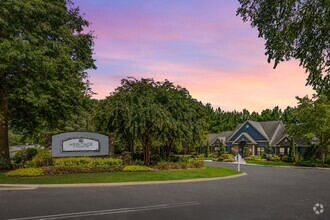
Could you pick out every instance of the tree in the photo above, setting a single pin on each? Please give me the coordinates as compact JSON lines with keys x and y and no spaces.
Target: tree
{"x":152,"y":112}
{"x":292,"y":152}
{"x":44,"y":57}
{"x":294,"y":29}
{"x":313,"y":122}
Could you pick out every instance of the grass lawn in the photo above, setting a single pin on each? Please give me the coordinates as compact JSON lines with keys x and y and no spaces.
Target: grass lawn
{"x":116,"y":177}
{"x":271,"y":163}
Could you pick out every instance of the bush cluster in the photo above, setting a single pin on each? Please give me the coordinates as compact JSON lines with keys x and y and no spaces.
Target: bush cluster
{"x":275,"y":158}
{"x":224,"y":157}
{"x":137,"y":168}
{"x":26,"y":172}
{"x":32,"y":158}
{"x":87,"y":162}
{"x":253,"y":157}
{"x":166,"y":165}
{"x":60,"y":170}
{"x":311,"y":163}
{"x":24,"y":155}
{"x":41,"y":159}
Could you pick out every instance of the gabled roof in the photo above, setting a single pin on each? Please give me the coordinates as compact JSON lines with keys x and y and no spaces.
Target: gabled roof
{"x":270,"y":127}
{"x":247,"y":136}
{"x":221,"y":136}
{"x":255,"y":124}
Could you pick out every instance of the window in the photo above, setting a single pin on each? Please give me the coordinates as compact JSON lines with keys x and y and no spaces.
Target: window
{"x":260,"y":150}
{"x":282,"y":150}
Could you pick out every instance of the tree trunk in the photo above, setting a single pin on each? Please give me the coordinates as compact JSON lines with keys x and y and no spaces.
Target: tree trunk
{"x":168,"y":151}
{"x":4,"y":144}
{"x":146,"y":149}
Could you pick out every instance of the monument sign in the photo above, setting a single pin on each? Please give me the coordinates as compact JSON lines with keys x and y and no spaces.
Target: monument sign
{"x":76,"y":144}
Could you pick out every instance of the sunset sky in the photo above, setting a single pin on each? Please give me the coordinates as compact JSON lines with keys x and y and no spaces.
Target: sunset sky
{"x":199,"y":44}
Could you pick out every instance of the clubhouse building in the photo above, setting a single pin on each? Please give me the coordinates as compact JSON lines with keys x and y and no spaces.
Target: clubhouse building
{"x":251,"y":138}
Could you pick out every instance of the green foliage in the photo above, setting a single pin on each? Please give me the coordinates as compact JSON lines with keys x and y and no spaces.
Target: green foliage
{"x":64,"y":170}
{"x":151,"y":112}
{"x":166,"y":165}
{"x":87,"y":162}
{"x":275,"y":158}
{"x":15,"y":139}
{"x":268,"y":150}
{"x":227,"y":156}
{"x":294,"y":29}
{"x":292,"y":152}
{"x":45,"y":53}
{"x":253,"y":157}
{"x":219,"y":120}
{"x":22,"y":156}
{"x":229,"y":160}
{"x":136,"y":168}
{"x":25,"y":172}
{"x":138,"y":162}
{"x":313,"y":122}
{"x":41,"y":159}
{"x":311,"y":163}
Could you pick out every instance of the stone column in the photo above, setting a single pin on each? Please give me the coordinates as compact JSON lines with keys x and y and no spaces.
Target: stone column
{"x":111,"y":144}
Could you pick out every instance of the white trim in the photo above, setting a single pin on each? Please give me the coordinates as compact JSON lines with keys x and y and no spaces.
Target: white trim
{"x":285,"y":136}
{"x":252,"y":141}
{"x":276,"y":131}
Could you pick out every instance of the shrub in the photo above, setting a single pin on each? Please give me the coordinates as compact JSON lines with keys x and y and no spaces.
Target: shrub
{"x":227,"y":156}
{"x":253,"y":157}
{"x":138,"y":162}
{"x":59,"y":170}
{"x":42,"y":158}
{"x":165,"y":165}
{"x":275,"y":158}
{"x":135,"y":168}
{"x":25,"y":172}
{"x":5,"y":164}
{"x":285,"y":158}
{"x":155,"y":158}
{"x":24,"y":155}
{"x":87,"y":162}
{"x":229,"y":160}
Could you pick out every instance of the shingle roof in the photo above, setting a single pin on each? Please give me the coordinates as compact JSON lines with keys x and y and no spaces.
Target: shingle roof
{"x":259,"y":128}
{"x":213,"y":137}
{"x":270,"y":127}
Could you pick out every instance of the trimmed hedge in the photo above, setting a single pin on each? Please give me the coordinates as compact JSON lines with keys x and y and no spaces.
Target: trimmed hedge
{"x":137,"y":168}
{"x":26,"y":172}
{"x":87,"y":162}
{"x":165,"y":165}
{"x":59,"y":170}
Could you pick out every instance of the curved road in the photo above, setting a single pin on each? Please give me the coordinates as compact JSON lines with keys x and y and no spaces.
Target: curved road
{"x":265,"y":193}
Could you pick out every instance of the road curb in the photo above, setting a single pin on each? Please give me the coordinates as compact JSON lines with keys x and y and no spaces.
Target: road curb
{"x":259,"y":165}
{"x":78,"y":185}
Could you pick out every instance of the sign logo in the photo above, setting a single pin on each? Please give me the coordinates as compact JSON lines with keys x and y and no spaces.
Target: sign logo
{"x":80,"y":144}
{"x":318,"y":208}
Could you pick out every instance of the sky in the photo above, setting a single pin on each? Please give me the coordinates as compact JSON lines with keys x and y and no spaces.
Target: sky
{"x":198,"y":44}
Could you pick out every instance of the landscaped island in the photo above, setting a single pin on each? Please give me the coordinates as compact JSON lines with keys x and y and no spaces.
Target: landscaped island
{"x":36,"y":166}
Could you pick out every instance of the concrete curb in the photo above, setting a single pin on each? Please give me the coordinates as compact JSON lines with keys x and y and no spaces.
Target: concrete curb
{"x":259,"y":165}
{"x":35,"y":186}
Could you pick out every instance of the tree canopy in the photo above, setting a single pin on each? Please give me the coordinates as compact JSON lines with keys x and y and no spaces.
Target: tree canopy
{"x":150,"y":112}
{"x":44,"y":57}
{"x":294,"y":29}
{"x":313,"y":121}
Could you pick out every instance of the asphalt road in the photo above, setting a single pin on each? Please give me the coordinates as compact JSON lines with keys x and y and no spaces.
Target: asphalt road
{"x":265,"y":193}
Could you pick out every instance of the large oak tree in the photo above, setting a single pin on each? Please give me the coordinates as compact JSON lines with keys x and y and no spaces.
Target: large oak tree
{"x":44,"y":55}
